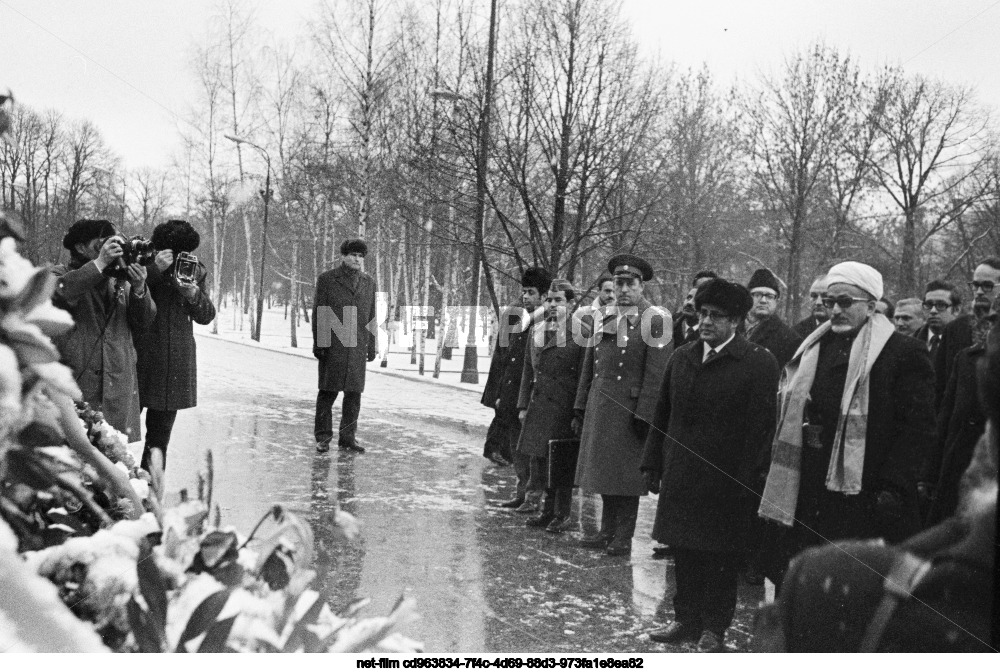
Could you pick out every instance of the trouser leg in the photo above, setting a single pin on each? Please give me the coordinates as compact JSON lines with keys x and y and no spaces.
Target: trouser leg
{"x":689,"y":587}
{"x":626,"y":514}
{"x":159,"y":425}
{"x":323,"y":427}
{"x":609,"y":516}
{"x":349,"y":416}
{"x":563,"y":501}
{"x":496,"y":437}
{"x":537,"y":481}
{"x":719,"y":597}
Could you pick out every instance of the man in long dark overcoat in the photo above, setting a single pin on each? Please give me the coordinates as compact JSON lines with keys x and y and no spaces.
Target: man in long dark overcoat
{"x":545,"y":402}
{"x":764,"y":327}
{"x":107,"y":311}
{"x":344,"y":339}
{"x":619,"y":383}
{"x":167,"y":359}
{"x":710,"y":435}
{"x":818,"y":313}
{"x":856,"y":420}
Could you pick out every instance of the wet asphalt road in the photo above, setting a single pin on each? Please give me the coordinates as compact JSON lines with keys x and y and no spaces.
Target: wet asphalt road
{"x":426,"y":499}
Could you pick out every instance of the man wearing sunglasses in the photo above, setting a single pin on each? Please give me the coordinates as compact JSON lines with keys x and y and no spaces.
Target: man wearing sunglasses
{"x":961,"y":333}
{"x":819,"y":314}
{"x":856,"y":419}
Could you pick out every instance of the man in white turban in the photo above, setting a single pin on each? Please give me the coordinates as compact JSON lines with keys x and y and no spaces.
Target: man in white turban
{"x":856,"y":419}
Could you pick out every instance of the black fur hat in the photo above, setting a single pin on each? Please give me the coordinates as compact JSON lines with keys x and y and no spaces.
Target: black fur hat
{"x":85,"y":230}
{"x":537,"y":277}
{"x":176,"y":235}
{"x":354,"y":246}
{"x":764,"y":278}
{"x":727,"y":296}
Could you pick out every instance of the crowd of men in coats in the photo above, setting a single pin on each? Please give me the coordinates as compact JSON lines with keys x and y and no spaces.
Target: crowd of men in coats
{"x":761,"y":439}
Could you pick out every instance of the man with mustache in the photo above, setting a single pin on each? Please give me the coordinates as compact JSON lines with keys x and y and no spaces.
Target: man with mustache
{"x":818,"y":312}
{"x":686,"y":324}
{"x":856,"y":411}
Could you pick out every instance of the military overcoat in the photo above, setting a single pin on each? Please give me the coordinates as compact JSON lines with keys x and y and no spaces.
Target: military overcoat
{"x":620,"y":380}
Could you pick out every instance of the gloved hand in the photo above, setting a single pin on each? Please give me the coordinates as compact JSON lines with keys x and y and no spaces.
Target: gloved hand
{"x":576,"y":424}
{"x":925,"y":491}
{"x":372,"y":354}
{"x":319,"y":353}
{"x":652,"y":481}
{"x":640,"y":427}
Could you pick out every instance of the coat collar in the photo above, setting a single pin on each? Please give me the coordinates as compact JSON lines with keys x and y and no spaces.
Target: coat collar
{"x":737,"y":349}
{"x":344,"y":278}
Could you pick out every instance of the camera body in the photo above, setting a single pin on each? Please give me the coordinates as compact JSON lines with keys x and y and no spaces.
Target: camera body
{"x":186,"y":267}
{"x":135,"y":250}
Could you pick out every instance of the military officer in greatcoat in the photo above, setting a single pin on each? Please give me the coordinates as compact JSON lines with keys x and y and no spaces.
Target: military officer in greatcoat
{"x":616,"y":397}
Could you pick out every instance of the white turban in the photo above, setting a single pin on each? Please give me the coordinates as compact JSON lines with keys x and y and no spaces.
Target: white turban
{"x":857,"y":274}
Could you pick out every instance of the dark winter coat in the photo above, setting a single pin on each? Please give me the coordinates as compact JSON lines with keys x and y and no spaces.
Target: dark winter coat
{"x":167,"y":357}
{"x":510,"y":319}
{"x":777,"y":338}
{"x":99,"y":348}
{"x":960,"y":425}
{"x":956,"y":336}
{"x":342,"y":365}
{"x":901,"y":431}
{"x":549,"y":381}
{"x":619,"y":383}
{"x":711,"y":434}
{"x":806,"y":327}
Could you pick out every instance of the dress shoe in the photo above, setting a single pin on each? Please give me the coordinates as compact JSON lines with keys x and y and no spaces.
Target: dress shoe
{"x":675,"y":633}
{"x":323,"y":447}
{"x":512,"y":504}
{"x":709,"y":642}
{"x":351,"y":446}
{"x":662,"y":552}
{"x":616,"y":548}
{"x":498,"y":459}
{"x":541,"y":520}
{"x":560,"y":524}
{"x":595,"y":541}
{"x":527,"y":507}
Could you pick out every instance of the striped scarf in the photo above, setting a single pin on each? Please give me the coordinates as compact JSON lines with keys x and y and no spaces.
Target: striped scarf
{"x":781,"y":492}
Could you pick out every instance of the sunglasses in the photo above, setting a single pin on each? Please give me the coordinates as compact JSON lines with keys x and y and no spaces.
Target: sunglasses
{"x":940,"y":305}
{"x":985,"y":285}
{"x":844,"y":302}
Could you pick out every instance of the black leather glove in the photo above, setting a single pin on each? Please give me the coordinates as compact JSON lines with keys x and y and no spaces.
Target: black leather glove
{"x":576,"y":424}
{"x":652,"y":481}
{"x":319,"y":353}
{"x":372,"y":354}
{"x":640,"y":427}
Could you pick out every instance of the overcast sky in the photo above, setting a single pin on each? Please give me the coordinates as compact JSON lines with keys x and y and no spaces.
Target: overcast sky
{"x":123,"y":63}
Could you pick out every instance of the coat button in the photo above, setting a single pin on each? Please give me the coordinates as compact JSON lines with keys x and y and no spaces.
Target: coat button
{"x":623,"y":352}
{"x":621,"y":363}
{"x":619,"y":377}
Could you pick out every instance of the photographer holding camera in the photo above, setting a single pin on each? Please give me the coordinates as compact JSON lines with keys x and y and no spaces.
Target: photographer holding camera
{"x":167,"y":363}
{"x":104,"y":289}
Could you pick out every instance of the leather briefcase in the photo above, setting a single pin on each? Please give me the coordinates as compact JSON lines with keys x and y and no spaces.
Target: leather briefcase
{"x":562,"y":462}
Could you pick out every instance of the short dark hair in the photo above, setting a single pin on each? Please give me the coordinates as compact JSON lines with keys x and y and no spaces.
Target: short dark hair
{"x":563,"y":285}
{"x":703,"y":274}
{"x":890,"y":307}
{"x":992,"y":262}
{"x":938,"y":285}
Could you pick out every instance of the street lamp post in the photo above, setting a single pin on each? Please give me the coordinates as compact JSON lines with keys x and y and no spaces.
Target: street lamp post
{"x":266,"y":195}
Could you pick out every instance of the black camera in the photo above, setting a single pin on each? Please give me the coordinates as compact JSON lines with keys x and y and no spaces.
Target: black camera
{"x":135,"y":250}
{"x":186,"y":267}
